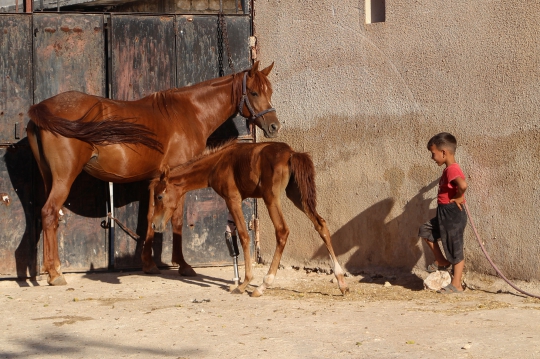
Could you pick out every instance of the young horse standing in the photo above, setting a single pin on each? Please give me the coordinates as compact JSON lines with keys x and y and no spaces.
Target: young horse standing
{"x":246,"y":170}
{"x":127,"y":141}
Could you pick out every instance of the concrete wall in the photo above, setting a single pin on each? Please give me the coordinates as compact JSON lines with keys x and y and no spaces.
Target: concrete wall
{"x":364,"y":99}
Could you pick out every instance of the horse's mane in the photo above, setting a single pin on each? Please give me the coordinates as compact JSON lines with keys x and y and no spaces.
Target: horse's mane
{"x":164,"y":97}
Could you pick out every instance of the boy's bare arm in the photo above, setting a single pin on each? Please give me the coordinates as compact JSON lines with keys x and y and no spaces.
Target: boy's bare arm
{"x":461,"y":188}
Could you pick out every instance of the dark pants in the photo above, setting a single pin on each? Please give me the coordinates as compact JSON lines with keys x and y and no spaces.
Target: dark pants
{"x":448,"y":226}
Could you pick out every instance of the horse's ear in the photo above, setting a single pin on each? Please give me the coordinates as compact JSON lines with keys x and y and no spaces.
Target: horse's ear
{"x":165,"y":170}
{"x":254,"y":69}
{"x":267,"y":70}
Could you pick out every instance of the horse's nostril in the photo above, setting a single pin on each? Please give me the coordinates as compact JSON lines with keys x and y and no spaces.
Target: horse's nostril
{"x":153,"y":226}
{"x":274,"y":127}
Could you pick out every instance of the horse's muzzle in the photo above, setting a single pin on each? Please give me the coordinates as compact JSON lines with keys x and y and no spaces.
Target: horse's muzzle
{"x":158,"y":228}
{"x":272,"y":131}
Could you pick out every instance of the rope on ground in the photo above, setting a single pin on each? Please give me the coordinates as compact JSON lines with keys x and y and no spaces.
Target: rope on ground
{"x":489,"y":258}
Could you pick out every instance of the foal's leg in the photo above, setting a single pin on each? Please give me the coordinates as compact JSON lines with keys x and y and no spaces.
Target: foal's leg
{"x":320,"y":226}
{"x":235,"y":208}
{"x":177,"y":221}
{"x":282,"y":233}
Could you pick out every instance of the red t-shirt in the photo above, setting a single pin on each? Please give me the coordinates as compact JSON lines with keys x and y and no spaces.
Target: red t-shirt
{"x":447,"y":190}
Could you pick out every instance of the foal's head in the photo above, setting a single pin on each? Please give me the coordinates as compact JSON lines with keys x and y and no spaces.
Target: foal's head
{"x":259,"y":98}
{"x":163,"y":201}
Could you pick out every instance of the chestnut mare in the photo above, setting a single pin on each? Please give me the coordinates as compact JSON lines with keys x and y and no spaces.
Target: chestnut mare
{"x":246,"y":170}
{"x":127,"y":141}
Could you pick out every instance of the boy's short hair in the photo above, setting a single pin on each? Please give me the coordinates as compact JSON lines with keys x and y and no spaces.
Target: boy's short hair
{"x":443,"y":140}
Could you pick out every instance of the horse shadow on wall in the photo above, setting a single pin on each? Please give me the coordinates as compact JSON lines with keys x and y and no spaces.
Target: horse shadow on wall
{"x":381,"y":246}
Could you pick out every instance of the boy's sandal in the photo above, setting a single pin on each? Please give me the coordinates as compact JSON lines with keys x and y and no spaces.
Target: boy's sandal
{"x":433,"y":267}
{"x":450,"y":289}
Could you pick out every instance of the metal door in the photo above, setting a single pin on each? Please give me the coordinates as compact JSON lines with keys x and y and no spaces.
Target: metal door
{"x":69,"y":55}
{"x":17,"y":234}
{"x":49,"y":53}
{"x":142,"y":62}
{"x":198,"y":59}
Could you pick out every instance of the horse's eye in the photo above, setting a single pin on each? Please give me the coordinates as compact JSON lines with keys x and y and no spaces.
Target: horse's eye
{"x":254,"y":94}
{"x":160,"y":197}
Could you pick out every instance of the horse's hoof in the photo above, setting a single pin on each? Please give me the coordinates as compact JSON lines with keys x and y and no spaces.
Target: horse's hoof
{"x":152,"y":270}
{"x":59,"y":280}
{"x":256,"y":293}
{"x":345,"y":290}
{"x":187,"y":271}
{"x":237,"y":291}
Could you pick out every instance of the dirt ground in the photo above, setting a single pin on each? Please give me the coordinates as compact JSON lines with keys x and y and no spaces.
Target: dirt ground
{"x":304,"y":315}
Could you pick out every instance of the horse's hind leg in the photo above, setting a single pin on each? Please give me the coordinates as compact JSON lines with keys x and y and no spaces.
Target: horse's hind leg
{"x":282,"y":233}
{"x":149,"y":266}
{"x":177,"y":221}
{"x":65,"y":159}
{"x":319,"y":223}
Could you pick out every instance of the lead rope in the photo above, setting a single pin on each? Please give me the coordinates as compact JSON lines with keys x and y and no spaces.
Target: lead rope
{"x":489,"y":258}
{"x":132,"y":234}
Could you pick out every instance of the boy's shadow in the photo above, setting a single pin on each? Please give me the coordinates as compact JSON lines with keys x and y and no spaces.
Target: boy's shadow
{"x":384,"y":248}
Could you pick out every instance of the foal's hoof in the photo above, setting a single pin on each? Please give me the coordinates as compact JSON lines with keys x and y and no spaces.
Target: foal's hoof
{"x":256,"y":293}
{"x":345,"y":290}
{"x":237,"y":291}
{"x":187,"y":271}
{"x":152,"y":270}
{"x":59,"y":280}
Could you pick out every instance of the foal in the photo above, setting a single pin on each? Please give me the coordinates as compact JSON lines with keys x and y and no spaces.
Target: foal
{"x":246,"y":170}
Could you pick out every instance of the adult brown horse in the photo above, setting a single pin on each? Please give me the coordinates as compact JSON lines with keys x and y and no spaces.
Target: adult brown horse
{"x":246,"y":170}
{"x":127,"y":141}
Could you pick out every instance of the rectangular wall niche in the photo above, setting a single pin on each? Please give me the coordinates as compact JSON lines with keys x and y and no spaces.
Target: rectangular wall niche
{"x":375,"y":11}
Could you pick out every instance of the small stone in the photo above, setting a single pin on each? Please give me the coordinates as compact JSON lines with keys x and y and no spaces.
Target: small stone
{"x":466,"y":346}
{"x":387,"y":284}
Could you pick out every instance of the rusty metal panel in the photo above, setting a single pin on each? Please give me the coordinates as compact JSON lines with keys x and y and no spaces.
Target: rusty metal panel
{"x":205,"y":221}
{"x":18,"y":236}
{"x":205,"y":215}
{"x":143,"y":59}
{"x":15,"y":76}
{"x":69,"y":54}
{"x":198,"y":50}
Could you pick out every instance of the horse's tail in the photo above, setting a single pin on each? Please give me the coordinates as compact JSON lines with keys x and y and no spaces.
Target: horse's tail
{"x":107,"y":131}
{"x":303,"y":173}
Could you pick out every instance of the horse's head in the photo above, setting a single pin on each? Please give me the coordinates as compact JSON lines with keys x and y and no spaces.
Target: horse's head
{"x":163,"y":201}
{"x":256,"y":104}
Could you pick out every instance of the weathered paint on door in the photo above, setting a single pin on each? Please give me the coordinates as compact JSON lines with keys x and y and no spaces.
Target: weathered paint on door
{"x":69,"y":55}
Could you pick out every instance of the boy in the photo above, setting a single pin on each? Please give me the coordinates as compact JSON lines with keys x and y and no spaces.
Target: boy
{"x":451,"y":219}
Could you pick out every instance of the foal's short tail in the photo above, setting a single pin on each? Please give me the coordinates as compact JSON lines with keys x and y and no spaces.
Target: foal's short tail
{"x":303,"y":173}
{"x":104,"y":131}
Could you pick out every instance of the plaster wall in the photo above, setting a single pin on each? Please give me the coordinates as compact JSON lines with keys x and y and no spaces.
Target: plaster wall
{"x":364,"y":99}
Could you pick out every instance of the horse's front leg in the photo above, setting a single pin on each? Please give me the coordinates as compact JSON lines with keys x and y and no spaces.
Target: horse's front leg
{"x":235,"y":208}
{"x":177,"y":221}
{"x":282,"y":233}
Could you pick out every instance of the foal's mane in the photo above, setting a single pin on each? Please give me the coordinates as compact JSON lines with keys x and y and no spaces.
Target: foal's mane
{"x":207,"y":152}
